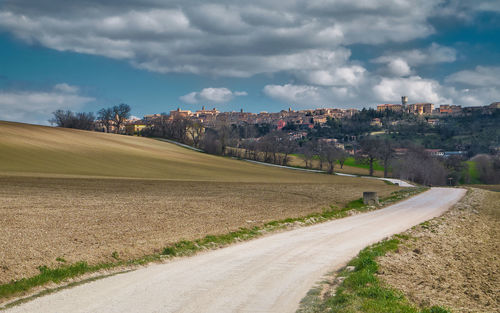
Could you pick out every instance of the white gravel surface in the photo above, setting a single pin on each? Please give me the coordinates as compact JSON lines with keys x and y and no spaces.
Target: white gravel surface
{"x":270,"y":274}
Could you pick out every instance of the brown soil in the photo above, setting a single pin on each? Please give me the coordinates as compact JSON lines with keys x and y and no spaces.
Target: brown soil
{"x":88,"y":219}
{"x":452,"y":261}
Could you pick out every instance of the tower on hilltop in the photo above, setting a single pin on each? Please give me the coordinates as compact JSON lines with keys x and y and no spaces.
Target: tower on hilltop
{"x":404,"y":100}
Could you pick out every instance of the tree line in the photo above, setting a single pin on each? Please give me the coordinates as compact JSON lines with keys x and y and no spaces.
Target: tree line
{"x":112,"y":118}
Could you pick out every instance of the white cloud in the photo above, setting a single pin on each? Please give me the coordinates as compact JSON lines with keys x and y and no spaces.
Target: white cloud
{"x":65,"y":88}
{"x":37,"y":106}
{"x":335,"y":76}
{"x":219,"y":38}
{"x":294,"y":94}
{"x":399,"y":63}
{"x":416,"y":88}
{"x":399,"y":67}
{"x":212,"y":95}
{"x":480,"y":76}
{"x":310,"y":96}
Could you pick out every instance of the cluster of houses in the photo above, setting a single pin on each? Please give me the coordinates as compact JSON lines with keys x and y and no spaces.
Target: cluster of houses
{"x":429,"y":108}
{"x":302,"y":119}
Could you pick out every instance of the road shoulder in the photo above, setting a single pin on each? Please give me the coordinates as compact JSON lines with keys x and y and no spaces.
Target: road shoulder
{"x":447,"y":263}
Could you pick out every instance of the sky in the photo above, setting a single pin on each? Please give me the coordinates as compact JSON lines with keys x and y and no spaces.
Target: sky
{"x":261,"y":55}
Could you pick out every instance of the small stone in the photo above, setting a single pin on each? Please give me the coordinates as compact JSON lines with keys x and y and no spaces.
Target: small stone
{"x":349,"y":268}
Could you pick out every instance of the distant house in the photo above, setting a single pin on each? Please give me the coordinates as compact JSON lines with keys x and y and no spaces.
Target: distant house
{"x":280,"y":124}
{"x":134,"y":127}
{"x":435,"y":152}
{"x":376,"y":122}
{"x":390,"y":107}
{"x":447,"y":154}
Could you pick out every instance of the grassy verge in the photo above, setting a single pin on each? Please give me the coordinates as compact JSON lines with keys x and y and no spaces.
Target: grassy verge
{"x":185,"y":247}
{"x":473,"y":172}
{"x":361,"y":291}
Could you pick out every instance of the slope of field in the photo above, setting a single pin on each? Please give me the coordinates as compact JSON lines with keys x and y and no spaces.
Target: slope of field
{"x":81,"y":196}
{"x":32,"y":149}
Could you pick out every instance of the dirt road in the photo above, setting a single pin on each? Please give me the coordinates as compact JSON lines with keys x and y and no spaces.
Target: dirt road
{"x":270,"y":274}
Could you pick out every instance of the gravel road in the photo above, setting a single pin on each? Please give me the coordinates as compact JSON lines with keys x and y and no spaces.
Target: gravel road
{"x":270,"y":274}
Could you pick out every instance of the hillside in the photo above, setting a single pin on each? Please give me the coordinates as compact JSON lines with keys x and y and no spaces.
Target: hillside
{"x":39,"y":150}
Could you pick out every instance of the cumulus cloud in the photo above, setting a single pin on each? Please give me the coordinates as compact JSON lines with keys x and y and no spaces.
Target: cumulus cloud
{"x":212,"y":95}
{"x":221,"y":38}
{"x":311,"y":96}
{"x":433,"y":54}
{"x":415,"y":87}
{"x":398,"y":67}
{"x":37,"y":106}
{"x":308,"y":40}
{"x":400,"y":63}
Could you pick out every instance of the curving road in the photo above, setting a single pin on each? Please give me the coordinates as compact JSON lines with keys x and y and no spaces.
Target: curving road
{"x":270,"y":274}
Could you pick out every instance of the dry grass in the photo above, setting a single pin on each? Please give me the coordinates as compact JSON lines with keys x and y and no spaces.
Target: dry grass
{"x":454,"y":261}
{"x":80,"y":196}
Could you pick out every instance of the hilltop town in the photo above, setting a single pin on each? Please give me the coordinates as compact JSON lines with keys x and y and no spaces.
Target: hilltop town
{"x":302,"y":119}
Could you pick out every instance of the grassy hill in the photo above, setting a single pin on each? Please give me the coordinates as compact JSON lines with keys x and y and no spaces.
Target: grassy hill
{"x":40,"y":150}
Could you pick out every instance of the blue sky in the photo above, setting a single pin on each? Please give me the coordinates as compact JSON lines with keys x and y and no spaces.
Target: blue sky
{"x":264,"y":56}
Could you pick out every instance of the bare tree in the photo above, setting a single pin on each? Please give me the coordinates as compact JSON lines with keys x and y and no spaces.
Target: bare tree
{"x":308,"y":150}
{"x":121,"y":113}
{"x":69,"y":119}
{"x":195,"y":130}
{"x":418,"y":166}
{"x":385,"y":152}
{"x":106,"y":117}
{"x":331,"y":155}
{"x":369,"y":151}
{"x":287,"y":146}
{"x":342,"y":158}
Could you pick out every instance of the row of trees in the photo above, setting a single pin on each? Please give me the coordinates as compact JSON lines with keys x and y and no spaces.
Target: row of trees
{"x":69,"y":119}
{"x":112,"y":118}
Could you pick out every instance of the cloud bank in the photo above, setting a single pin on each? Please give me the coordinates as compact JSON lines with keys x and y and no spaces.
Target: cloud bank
{"x":307,"y":40}
{"x":211,"y":95}
{"x":36,"y":107}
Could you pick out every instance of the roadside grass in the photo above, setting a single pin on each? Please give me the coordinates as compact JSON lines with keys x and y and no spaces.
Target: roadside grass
{"x":361,"y":290}
{"x":473,"y":172}
{"x":186,"y":247}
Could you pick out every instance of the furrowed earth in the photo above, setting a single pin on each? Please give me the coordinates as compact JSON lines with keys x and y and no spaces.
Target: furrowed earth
{"x":85,"y":196}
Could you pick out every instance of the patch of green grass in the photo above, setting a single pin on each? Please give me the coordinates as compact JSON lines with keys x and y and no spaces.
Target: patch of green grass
{"x":473,"y":172}
{"x":355,"y":163}
{"x":59,"y":259}
{"x":186,"y":247}
{"x":115,"y":255}
{"x":46,"y":275}
{"x":361,"y":290}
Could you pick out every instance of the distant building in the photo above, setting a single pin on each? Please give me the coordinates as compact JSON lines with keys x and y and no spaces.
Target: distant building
{"x":435,"y":152}
{"x":446,"y":109}
{"x":420,"y":108}
{"x":495,"y":105}
{"x":280,"y":124}
{"x":135,"y":127}
{"x":376,"y":122}
{"x":180,"y":113}
{"x":390,"y":107}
